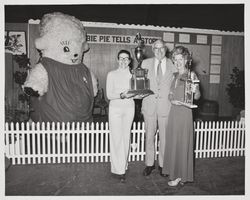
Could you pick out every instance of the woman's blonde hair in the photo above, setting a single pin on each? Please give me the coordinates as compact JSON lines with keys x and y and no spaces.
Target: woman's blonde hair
{"x":181,"y":50}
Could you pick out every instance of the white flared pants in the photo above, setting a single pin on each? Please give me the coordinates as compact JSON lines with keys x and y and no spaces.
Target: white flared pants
{"x":121,"y":116}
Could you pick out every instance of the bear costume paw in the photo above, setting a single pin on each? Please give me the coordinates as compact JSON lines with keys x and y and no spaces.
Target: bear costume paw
{"x":37,"y":81}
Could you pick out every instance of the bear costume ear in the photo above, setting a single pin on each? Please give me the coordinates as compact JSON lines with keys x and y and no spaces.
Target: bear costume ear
{"x":85,"y":47}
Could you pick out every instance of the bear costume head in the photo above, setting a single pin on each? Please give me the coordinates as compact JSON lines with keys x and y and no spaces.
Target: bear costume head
{"x":62,"y":38}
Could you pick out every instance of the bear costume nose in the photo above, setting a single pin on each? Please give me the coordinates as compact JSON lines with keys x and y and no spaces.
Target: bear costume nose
{"x":75,"y":55}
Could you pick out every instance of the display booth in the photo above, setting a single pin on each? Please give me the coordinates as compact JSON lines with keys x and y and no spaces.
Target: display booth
{"x":211,"y":50}
{"x":215,"y":54}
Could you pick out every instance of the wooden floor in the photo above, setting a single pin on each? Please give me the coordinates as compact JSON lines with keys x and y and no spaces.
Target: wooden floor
{"x":213,"y":176}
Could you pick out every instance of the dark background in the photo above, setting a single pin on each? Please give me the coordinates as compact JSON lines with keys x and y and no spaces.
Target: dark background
{"x":224,"y":17}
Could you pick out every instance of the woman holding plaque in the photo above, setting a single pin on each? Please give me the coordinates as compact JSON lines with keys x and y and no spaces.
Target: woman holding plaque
{"x":121,"y":114}
{"x":178,"y":156}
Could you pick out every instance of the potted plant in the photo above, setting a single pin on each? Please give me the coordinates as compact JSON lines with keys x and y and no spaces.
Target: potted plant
{"x":236,"y":90}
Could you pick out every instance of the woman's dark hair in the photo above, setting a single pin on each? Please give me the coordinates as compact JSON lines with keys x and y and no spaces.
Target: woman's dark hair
{"x":129,"y":56}
{"x":124,"y":51}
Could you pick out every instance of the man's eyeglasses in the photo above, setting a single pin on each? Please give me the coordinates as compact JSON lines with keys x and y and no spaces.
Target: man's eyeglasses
{"x":159,"y":48}
{"x":123,"y":59}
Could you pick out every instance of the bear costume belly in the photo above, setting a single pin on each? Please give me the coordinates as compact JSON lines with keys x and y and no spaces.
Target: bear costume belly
{"x":70,"y":94}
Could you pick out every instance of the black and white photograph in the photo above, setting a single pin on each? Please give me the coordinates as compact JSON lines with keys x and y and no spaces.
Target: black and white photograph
{"x":124,"y":99}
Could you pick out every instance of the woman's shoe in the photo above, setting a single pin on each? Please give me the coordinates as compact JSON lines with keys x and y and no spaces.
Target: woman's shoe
{"x":122,"y":178}
{"x":174,"y":182}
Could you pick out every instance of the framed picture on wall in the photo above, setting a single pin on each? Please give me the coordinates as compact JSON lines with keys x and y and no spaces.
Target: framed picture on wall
{"x":15,"y":42}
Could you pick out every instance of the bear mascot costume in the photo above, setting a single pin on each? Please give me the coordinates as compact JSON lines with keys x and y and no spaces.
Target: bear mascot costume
{"x":61,"y":83}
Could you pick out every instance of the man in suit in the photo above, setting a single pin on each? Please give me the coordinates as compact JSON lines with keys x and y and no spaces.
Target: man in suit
{"x":156,"y":107}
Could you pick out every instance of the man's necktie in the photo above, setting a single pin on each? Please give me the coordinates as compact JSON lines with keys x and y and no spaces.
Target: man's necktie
{"x":159,"y":72}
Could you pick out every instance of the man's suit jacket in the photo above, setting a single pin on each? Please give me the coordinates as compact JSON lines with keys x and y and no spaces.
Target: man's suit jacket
{"x":158,"y":102}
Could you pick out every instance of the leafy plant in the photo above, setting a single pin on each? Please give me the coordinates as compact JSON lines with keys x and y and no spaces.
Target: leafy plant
{"x":20,"y":111}
{"x":236,"y":89}
{"x":24,"y":65}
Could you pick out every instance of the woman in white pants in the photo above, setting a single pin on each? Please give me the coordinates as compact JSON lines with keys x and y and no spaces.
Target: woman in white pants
{"x":121,"y":114}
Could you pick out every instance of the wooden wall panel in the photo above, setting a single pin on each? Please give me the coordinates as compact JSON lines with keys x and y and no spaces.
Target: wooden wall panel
{"x":9,"y":80}
{"x":232,"y":56}
{"x":17,"y":27}
{"x":214,"y":92}
{"x":204,"y":86}
{"x":100,"y":62}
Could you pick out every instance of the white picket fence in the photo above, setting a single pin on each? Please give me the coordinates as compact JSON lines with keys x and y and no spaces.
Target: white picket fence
{"x":37,"y":143}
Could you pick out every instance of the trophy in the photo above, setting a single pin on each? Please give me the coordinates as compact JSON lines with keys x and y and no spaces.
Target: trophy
{"x":189,"y":84}
{"x":139,"y":83}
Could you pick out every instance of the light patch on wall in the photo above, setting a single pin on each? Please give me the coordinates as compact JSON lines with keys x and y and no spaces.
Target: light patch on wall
{"x":216,"y":39}
{"x":214,"y":78}
{"x":170,"y":46}
{"x":185,"y":38}
{"x":201,"y":39}
{"x":215,"y":69}
{"x":216,"y":50}
{"x":215,"y":59}
{"x":168,"y":37}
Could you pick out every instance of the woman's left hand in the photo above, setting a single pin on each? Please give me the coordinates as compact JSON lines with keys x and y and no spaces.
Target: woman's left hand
{"x":126,"y":95}
{"x":175,"y":102}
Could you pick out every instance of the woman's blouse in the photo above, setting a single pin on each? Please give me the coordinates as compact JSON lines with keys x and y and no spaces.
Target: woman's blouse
{"x":118,"y":81}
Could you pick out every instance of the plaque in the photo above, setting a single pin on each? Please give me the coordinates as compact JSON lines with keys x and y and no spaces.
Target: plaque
{"x":139,"y":83}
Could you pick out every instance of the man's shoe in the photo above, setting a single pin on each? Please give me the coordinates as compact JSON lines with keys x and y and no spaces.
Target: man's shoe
{"x":147,"y":171}
{"x":160,"y":170}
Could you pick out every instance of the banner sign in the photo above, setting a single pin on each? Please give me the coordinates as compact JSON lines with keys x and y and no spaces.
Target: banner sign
{"x":119,"y":39}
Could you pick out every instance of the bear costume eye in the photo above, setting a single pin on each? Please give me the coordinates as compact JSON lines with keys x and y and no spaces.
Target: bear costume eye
{"x":66,"y":49}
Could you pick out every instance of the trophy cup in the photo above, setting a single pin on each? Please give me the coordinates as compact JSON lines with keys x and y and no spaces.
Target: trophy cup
{"x":139,"y":83}
{"x":188,"y":92}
